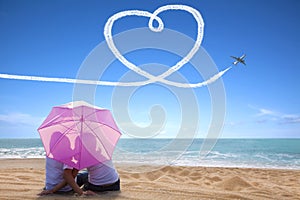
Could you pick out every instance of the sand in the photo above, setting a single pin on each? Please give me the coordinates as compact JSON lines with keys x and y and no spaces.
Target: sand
{"x":24,"y":179}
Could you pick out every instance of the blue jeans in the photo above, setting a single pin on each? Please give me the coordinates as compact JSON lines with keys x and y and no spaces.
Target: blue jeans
{"x":82,"y":180}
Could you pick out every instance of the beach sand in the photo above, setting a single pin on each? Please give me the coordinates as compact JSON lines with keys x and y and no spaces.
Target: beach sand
{"x":24,"y":179}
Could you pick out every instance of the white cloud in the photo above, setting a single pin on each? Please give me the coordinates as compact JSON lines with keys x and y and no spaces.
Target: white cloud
{"x":263,"y":112}
{"x":265,"y":115}
{"x":233,"y":124}
{"x":20,"y":119}
{"x":290,"y":119}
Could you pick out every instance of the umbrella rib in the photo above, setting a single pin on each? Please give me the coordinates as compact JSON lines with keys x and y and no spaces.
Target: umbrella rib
{"x":71,"y":127}
{"x":95,"y":110}
{"x":53,"y":119}
{"x":94,"y":113}
{"x":98,"y":138}
{"x":103,"y":124}
{"x":81,"y":123}
{"x":63,"y":135}
{"x":59,"y":123}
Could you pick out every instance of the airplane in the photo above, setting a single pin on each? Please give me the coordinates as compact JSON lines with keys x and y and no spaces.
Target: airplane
{"x":239,"y":60}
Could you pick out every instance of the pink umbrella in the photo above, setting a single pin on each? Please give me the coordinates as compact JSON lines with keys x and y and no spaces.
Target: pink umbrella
{"x":79,"y":134}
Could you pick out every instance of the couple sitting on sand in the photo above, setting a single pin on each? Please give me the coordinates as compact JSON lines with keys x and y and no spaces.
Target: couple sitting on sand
{"x":60,"y":179}
{"x":63,"y":179}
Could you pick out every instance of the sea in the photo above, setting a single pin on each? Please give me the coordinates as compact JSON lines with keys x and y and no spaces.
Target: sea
{"x":244,"y":153}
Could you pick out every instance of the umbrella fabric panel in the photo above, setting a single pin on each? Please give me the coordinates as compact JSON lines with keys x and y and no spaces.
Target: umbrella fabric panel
{"x":79,"y":136}
{"x":70,"y":147}
{"x":105,"y":117}
{"x":100,"y":139}
{"x":58,"y":134}
{"x":57,"y":116}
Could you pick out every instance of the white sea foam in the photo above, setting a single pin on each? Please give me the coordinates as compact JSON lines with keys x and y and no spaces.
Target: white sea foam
{"x":33,"y":152}
{"x":145,"y":152}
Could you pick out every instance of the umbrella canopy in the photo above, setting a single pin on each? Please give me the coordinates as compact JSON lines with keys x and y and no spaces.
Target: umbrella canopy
{"x":79,"y":134}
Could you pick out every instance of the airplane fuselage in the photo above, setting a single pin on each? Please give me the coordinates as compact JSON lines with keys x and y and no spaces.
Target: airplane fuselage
{"x":239,"y":60}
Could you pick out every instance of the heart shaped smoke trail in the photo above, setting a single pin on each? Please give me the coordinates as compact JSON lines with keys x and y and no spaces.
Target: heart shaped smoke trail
{"x":151,"y":78}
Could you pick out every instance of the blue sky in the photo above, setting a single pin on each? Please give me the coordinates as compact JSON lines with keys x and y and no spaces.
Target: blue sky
{"x":53,"y":38}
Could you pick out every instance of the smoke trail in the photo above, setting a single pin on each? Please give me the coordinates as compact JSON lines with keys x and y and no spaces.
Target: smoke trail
{"x":151,"y":78}
{"x":109,"y":38}
{"x":109,"y":83}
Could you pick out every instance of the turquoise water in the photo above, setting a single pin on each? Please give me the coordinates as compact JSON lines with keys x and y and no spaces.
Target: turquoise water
{"x":260,"y":153}
{"x":21,"y":148}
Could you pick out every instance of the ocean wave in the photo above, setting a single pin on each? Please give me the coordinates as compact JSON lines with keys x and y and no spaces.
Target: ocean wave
{"x":37,"y":152}
{"x":225,"y":154}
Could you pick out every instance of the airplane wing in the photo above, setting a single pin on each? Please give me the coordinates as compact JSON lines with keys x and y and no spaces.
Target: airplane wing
{"x":239,"y":59}
{"x":243,"y":62}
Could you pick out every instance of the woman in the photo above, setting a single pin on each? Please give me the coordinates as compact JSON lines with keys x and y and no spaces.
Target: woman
{"x":100,"y":178}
